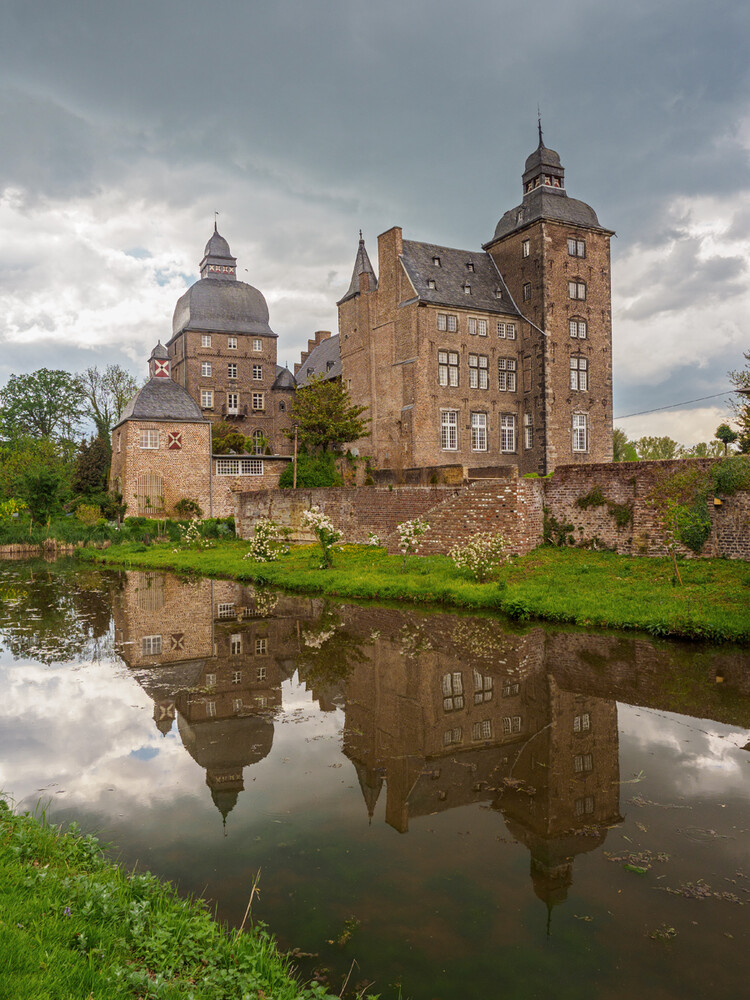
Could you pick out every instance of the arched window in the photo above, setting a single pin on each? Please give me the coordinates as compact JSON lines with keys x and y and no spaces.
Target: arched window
{"x":260,"y":443}
{"x":149,"y":493}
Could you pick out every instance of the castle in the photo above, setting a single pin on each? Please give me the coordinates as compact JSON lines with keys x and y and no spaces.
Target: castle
{"x":475,"y":358}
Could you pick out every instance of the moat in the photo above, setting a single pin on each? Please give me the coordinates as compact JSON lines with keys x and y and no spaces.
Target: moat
{"x":448,"y":806}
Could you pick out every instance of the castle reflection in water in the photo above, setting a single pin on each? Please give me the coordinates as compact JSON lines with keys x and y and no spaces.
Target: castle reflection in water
{"x":440,"y":710}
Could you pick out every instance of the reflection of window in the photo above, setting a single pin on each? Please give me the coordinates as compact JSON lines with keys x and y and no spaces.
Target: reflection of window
{"x":584,"y":806}
{"x":260,"y":674}
{"x":453,"y":691}
{"x":236,"y":677}
{"x":151,"y":645}
{"x":225,"y":611}
{"x":237,"y":704}
{"x":261,"y":701}
{"x":583,"y":762}
{"x":511,"y":688}
{"x":235,"y":644}
{"x":482,"y":730}
{"x":211,"y":708}
{"x":210,"y":680}
{"x":511,"y":724}
{"x":483,"y":687}
{"x":451,"y":736}
{"x":261,"y":647}
{"x":582,"y":723}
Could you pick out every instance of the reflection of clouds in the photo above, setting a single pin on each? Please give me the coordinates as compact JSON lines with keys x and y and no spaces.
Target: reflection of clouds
{"x":707,"y":754}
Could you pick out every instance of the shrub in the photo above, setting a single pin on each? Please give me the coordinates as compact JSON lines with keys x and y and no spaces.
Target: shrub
{"x":323,"y":529}
{"x":11,"y":509}
{"x":188,"y":508}
{"x":269,"y":541}
{"x":409,"y":535}
{"x":313,"y":472}
{"x":481,"y":555}
{"x":88,"y":514}
{"x":192,"y":537}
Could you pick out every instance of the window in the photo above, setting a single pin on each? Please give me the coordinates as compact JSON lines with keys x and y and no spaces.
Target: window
{"x":577,"y":289}
{"x":580,"y":432}
{"x":237,"y":674}
{"x":506,"y":374}
{"x":237,"y":704}
{"x":233,"y":402}
{"x":528,"y":430}
{"x":449,"y":430}
{"x":436,"y":261}
{"x":431,"y":283}
{"x":511,"y":724}
{"x":257,"y":372}
{"x":260,"y":673}
{"x":205,"y":340}
{"x":211,"y":708}
{"x":232,"y":370}
{"x":467,"y":289}
{"x":508,"y":432}
{"x":231,"y":343}
{"x":259,"y":442}
{"x":149,"y":491}
{"x":261,"y":649}
{"x":259,"y":401}
{"x":506,"y":330}
{"x":453,"y":691}
{"x":150,"y":439}
{"x":210,"y":680}
{"x":207,"y":398}
{"x":469,"y":265}
{"x":447,"y":368}
{"x":498,"y":293}
{"x":151,"y":645}
{"x":225,"y":611}
{"x":479,"y":371}
{"x":451,"y":736}
{"x":477,"y":326}
{"x":582,"y":723}
{"x":482,"y":730}
{"x":577,"y":248}
{"x":584,"y":806}
{"x":483,"y":687}
{"x":526,"y":248}
{"x":479,"y":432}
{"x":583,"y":762}
{"x":205,"y":369}
{"x":447,"y":321}
{"x":239,"y":467}
{"x":526,"y":291}
{"x":579,"y":373}
{"x":257,"y":344}
{"x":235,"y":648}
{"x":578,"y":328}
{"x":511,"y":688}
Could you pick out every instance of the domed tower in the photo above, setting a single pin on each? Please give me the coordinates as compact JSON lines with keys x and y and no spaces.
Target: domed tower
{"x":554,"y":257}
{"x":223,"y":350}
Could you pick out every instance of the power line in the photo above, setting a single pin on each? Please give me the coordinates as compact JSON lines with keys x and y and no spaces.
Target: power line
{"x":641,"y":413}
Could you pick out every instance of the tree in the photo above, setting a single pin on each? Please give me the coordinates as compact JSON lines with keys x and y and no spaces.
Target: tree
{"x":741,"y":380}
{"x":726,"y":435}
{"x":622,"y":449}
{"x":91,"y":467}
{"x":704,"y":449}
{"x":325,"y":415}
{"x":44,"y":489}
{"x":653,"y":448}
{"x":107,"y":393}
{"x":227,"y":440}
{"x":44,"y":404}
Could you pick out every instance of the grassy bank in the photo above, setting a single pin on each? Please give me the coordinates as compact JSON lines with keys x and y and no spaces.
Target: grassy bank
{"x":561,"y":585}
{"x":73,"y":925}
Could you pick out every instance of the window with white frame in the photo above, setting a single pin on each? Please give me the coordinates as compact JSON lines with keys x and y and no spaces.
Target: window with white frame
{"x":431,"y":283}
{"x":259,"y":442}
{"x":525,"y":248}
{"x":225,"y":610}
{"x":150,"y":439}
{"x":257,"y":344}
{"x":257,"y":372}
{"x":150,"y":645}
{"x":576,"y":248}
{"x":447,"y":321}
{"x":453,"y":736}
{"x":210,"y":680}
{"x":582,"y":723}
{"x":207,"y":398}
{"x":511,"y":724}
{"x":261,"y":673}
{"x":527,"y":291}
{"x":584,"y":806}
{"x":483,"y":687}
{"x":467,"y":288}
{"x":259,"y":401}
{"x":578,"y":328}
{"x":436,"y":261}
{"x":580,"y":432}
{"x":479,"y":432}
{"x":577,"y":289}
{"x":233,"y":402}
{"x":231,"y":343}
{"x":237,"y":674}
{"x":448,"y":368}
{"x":506,"y":374}
{"x":583,"y":762}
{"x":453,"y":691}
{"x":579,"y":373}
{"x":236,"y":704}
{"x":232,"y":370}
{"x":239,"y":467}
{"x":528,"y":430}
{"x":508,"y":433}
{"x":506,"y":331}
{"x":205,"y":340}
{"x":479,"y":371}
{"x":235,"y":648}
{"x":449,"y":430}
{"x":261,"y":648}
{"x":205,"y":369}
{"x":211,"y":709}
{"x":482,"y":730}
{"x":477,"y":327}
{"x":510,"y":689}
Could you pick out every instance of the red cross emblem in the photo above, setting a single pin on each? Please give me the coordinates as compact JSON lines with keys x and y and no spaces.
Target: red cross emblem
{"x":161,"y":369}
{"x":174,"y":440}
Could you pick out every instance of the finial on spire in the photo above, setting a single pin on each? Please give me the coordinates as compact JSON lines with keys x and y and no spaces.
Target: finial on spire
{"x":216,"y":216}
{"x":360,"y":236}
{"x":539,"y":125}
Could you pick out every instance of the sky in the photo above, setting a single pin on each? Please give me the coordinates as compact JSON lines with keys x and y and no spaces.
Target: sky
{"x":125,"y":126}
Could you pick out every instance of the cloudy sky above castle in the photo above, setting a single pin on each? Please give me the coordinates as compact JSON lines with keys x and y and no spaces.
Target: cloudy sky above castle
{"x":125,"y":126}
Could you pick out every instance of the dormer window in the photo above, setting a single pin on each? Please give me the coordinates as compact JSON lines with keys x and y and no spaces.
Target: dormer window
{"x":431,"y":283}
{"x":469,"y":265}
{"x":467,"y":289}
{"x":498,"y":293}
{"x":329,"y":365}
{"x":436,"y":261}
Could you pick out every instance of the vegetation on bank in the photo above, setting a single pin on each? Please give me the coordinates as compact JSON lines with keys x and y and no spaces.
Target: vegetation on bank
{"x":22,"y":530}
{"x":74,"y":925}
{"x":582,"y":587}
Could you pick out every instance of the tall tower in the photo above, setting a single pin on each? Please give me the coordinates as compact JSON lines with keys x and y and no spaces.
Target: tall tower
{"x":554,"y":257}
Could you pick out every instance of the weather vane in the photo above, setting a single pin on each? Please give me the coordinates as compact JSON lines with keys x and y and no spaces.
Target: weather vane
{"x":539,"y":123}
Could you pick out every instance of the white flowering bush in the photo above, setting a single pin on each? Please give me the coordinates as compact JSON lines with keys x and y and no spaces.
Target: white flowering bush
{"x":409,"y":535}
{"x":323,"y":529}
{"x":481,"y":555}
{"x":191,"y":537}
{"x":268,"y":542}
{"x":373,"y":539}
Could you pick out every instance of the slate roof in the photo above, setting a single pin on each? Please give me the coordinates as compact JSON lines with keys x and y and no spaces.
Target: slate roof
{"x":284,"y":379}
{"x":362,"y":265}
{"x":162,"y":399}
{"x":218,"y":306}
{"x":453,"y":274}
{"x":546,"y":203}
{"x":325,"y":359}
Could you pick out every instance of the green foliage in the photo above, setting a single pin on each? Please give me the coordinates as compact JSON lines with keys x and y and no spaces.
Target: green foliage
{"x":556,"y":532}
{"x":91,"y":467}
{"x":18,"y":457}
{"x":481,"y":555}
{"x":44,"y":490}
{"x":226,"y":440}
{"x":106,"y":394}
{"x":313,"y":472}
{"x":594,"y":498}
{"x":731,"y":475}
{"x":268,"y":542}
{"x":655,"y":448}
{"x":325,"y":415}
{"x":322,"y":527}
{"x":623,"y":450}
{"x":11,"y":509}
{"x":692,"y":523}
{"x":88,"y":514}
{"x":726,"y":435}
{"x":187,"y":507}
{"x":44,"y":404}
{"x":621,"y":512}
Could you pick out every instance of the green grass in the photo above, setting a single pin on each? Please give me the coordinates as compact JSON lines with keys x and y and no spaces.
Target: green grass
{"x":573,"y":586}
{"x":73,"y":925}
